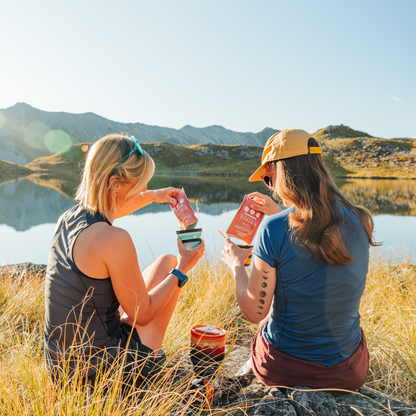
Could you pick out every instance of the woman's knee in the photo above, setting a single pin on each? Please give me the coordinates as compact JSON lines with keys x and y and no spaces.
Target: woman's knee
{"x":167,"y":260}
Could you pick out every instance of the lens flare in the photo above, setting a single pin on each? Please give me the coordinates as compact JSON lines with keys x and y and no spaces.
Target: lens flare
{"x":2,"y":119}
{"x":34,"y":134}
{"x":56,"y":140}
{"x":85,"y":148}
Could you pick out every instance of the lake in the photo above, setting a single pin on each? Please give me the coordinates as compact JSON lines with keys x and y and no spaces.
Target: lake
{"x":30,"y":207}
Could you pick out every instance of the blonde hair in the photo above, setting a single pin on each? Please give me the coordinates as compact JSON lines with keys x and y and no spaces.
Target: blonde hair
{"x":95,"y":191}
{"x":316,"y":223}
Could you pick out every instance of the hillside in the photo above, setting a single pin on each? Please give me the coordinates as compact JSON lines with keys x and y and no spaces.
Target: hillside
{"x":198,"y":159}
{"x":70,"y":159}
{"x":11,"y":171}
{"x":346,"y":157}
{"x":29,"y":133}
{"x":337,"y":132}
{"x":12,"y":168}
{"x":370,"y":157}
{"x":364,"y":156}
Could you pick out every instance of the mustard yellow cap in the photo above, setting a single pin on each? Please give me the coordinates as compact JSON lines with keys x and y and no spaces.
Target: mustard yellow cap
{"x":282,"y":145}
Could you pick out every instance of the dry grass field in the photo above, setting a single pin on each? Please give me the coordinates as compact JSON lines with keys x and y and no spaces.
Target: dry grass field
{"x":388,"y":318}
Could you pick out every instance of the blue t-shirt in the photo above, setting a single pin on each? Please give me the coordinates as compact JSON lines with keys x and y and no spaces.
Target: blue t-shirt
{"x":315,"y":308}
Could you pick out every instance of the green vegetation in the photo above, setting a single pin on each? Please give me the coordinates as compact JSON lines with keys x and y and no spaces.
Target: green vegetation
{"x":11,"y":171}
{"x":346,"y":153}
{"x":204,"y":159}
{"x":12,"y":168}
{"x":388,"y":319}
{"x":344,"y":157}
{"x":71,"y":159}
{"x":372,"y":157}
{"x":332,"y":132}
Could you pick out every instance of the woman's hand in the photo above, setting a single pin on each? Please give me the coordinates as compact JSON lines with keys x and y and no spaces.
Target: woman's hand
{"x":188,"y":257}
{"x":161,"y":196}
{"x":268,"y":206}
{"x":232,"y":255}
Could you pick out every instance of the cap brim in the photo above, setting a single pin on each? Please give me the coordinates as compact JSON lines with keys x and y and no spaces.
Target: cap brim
{"x":256,"y":176}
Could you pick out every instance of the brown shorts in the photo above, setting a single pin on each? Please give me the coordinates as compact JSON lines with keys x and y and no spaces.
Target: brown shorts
{"x":273,"y":368}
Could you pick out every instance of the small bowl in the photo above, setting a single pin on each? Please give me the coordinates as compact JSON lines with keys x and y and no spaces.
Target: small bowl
{"x":191,"y":243}
{"x":192,"y":226}
{"x":189,"y":234}
{"x":250,"y":256}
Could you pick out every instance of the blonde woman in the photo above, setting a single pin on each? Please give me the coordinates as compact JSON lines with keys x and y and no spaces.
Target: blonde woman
{"x":98,"y":301}
{"x":309,"y":272}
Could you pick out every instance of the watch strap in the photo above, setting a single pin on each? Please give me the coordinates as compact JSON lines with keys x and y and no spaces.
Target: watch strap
{"x":182,"y":277}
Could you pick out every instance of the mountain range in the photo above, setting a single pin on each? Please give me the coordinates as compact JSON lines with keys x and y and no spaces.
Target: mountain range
{"x":27,"y":133}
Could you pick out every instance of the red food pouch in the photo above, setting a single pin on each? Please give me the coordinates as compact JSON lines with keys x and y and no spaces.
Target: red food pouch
{"x":246,"y":222}
{"x":184,"y":211}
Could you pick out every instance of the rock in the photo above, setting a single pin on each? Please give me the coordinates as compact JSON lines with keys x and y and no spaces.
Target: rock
{"x":23,"y":270}
{"x":235,"y":360}
{"x":369,"y":401}
{"x":257,"y":399}
{"x":253,"y":398}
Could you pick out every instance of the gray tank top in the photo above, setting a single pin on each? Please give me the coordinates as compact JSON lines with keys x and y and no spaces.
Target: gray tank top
{"x":81,"y":312}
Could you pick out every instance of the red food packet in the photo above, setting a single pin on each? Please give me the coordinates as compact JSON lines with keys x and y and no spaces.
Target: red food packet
{"x":184,"y":211}
{"x":245,"y":223}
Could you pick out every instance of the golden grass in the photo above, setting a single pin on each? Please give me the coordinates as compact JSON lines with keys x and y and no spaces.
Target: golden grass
{"x":388,"y":318}
{"x":388,"y":312}
{"x":25,"y":388}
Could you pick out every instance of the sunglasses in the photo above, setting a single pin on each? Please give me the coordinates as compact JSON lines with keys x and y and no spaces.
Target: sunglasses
{"x":136,"y":147}
{"x":267,"y":178}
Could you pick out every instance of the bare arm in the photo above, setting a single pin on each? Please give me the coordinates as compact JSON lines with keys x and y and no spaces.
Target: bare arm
{"x":254,"y":293}
{"x":165,"y":195}
{"x":128,"y":283}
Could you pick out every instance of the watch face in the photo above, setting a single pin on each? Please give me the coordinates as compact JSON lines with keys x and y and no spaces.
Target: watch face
{"x":182,"y":281}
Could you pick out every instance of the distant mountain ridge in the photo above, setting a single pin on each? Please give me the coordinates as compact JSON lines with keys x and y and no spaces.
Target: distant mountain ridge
{"x":24,"y":132}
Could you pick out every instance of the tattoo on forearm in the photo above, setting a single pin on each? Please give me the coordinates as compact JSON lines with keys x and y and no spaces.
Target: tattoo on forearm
{"x":262,"y":293}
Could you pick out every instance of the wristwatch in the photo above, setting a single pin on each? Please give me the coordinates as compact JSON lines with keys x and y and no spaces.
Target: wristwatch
{"x":183,"y":278}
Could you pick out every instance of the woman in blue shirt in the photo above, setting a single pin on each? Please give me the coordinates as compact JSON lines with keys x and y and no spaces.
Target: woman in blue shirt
{"x":309,"y":270}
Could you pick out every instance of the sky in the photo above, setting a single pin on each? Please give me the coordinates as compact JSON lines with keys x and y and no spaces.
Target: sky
{"x":245,"y":65}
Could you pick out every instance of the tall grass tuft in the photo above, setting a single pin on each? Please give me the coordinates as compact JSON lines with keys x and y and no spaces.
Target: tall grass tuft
{"x":388,"y":318}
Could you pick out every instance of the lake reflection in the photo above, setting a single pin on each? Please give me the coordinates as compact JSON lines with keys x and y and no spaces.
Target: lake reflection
{"x":30,"y":207}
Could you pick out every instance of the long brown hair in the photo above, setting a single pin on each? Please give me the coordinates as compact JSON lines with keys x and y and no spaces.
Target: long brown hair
{"x":316,"y":223}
